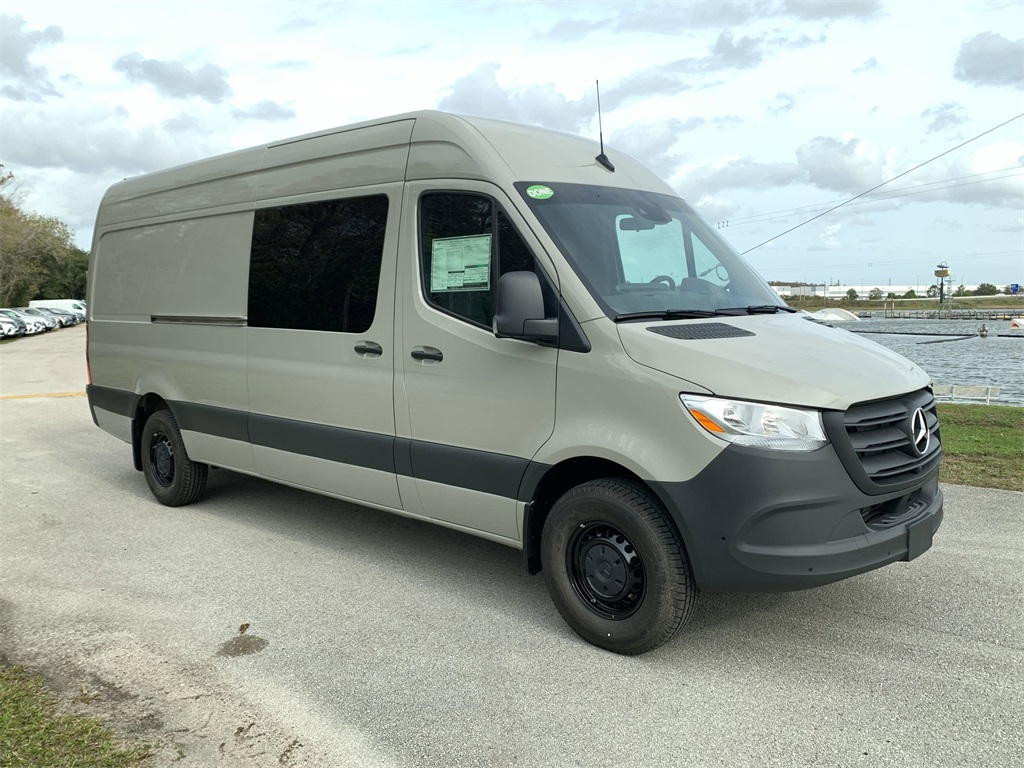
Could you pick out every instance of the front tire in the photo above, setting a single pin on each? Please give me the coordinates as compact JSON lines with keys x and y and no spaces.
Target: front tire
{"x":615,"y":567}
{"x":172,"y":476}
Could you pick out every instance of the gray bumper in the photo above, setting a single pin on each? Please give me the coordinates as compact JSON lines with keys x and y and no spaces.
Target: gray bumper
{"x":759,"y":521}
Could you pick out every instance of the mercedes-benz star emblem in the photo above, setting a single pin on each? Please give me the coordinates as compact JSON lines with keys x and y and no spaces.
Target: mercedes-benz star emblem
{"x":919,"y":432}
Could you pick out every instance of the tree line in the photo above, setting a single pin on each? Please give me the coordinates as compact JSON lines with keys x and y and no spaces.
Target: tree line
{"x":877,"y":294}
{"x":983,"y":289}
{"x":38,"y":256}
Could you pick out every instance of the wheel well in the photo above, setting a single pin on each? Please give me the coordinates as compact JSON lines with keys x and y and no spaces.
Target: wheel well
{"x":559,"y":479}
{"x":146,"y":406}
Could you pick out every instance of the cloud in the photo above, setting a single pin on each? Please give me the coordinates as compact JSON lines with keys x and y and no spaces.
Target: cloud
{"x":414,"y":50}
{"x":842,"y":166}
{"x":867,"y":66}
{"x":947,"y":225}
{"x":798,"y":43}
{"x":298,"y":25}
{"x":651,"y":144}
{"x":183,"y":123}
{"x":660,"y":18}
{"x":784,"y":102}
{"x":22,"y":80}
{"x":991,"y":59}
{"x":833,"y":9}
{"x":102,"y":144}
{"x":944,"y":116}
{"x":828,"y":238}
{"x":264,"y":110}
{"x":640,"y":86}
{"x":668,"y":18}
{"x":293,"y":65}
{"x":174,"y":80}
{"x":727,"y":121}
{"x":572,"y":30}
{"x":726,"y":53}
{"x":480,"y":94}
{"x":740,"y":173}
{"x":715,"y":208}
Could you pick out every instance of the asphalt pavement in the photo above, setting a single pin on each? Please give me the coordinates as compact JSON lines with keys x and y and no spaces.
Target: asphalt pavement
{"x":375,"y":640}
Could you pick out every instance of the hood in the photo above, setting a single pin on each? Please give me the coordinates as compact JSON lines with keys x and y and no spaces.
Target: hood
{"x":783,"y":359}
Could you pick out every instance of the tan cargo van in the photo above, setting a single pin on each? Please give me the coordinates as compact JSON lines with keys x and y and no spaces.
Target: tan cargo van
{"x":479,"y":324}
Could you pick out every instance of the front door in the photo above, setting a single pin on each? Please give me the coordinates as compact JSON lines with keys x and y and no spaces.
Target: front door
{"x":475,"y":408}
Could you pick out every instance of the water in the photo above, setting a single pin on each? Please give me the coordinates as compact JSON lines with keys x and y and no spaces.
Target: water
{"x":994,"y":361}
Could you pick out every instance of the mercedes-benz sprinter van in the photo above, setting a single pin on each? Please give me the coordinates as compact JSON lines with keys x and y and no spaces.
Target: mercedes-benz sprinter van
{"x":482,"y":325}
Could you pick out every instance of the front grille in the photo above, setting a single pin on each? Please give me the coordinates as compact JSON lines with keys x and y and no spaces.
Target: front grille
{"x":879,"y":445}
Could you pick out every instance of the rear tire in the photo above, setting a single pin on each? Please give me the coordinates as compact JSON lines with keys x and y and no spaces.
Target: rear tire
{"x":615,"y":567}
{"x":172,"y":476}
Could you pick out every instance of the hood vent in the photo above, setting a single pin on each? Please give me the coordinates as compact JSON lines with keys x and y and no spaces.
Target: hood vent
{"x":700,"y":331}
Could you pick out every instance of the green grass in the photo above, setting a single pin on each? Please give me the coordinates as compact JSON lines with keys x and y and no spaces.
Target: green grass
{"x":34,"y":735}
{"x":983,"y":445}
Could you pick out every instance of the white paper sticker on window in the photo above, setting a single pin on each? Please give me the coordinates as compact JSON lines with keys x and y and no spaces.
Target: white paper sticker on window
{"x":460,"y":264}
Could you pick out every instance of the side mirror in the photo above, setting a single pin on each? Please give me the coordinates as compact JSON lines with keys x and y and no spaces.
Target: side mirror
{"x":520,"y":310}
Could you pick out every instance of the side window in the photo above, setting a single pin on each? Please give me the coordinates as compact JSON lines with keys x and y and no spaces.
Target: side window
{"x":316,"y":266}
{"x":707,"y":265}
{"x":466,"y":244}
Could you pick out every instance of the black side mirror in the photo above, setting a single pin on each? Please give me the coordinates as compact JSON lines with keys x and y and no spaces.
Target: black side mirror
{"x":520,"y":310}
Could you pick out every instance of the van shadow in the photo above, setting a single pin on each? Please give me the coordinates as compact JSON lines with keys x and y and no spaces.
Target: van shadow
{"x":476,"y":569}
{"x":492,"y":576}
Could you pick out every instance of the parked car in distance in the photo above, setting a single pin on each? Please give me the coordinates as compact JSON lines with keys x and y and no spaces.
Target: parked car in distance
{"x":33,"y":323}
{"x":64,"y":319}
{"x":12,"y":326}
{"x":74,"y":318}
{"x":77,"y":315}
{"x":49,"y":320}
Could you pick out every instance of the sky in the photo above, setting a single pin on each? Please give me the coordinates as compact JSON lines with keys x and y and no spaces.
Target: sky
{"x":760,"y":114}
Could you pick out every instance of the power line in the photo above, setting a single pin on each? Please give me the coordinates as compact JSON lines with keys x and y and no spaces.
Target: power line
{"x":879,"y":186}
{"x":882,"y":197}
{"x":919,"y":189}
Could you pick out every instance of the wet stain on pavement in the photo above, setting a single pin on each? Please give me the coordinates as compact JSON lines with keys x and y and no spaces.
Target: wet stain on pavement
{"x":243,"y":645}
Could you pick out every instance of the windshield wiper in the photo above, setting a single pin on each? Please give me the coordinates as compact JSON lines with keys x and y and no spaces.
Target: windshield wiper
{"x":757,"y":309}
{"x":666,"y":314}
{"x":687,"y":314}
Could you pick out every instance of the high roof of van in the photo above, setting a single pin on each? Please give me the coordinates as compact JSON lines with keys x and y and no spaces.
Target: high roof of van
{"x":411,"y":146}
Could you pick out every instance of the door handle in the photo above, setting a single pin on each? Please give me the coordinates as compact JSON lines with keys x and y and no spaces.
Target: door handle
{"x":369,"y":349}
{"x":427,"y":354}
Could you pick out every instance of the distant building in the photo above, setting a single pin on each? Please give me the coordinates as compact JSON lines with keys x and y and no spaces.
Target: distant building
{"x":863,"y":291}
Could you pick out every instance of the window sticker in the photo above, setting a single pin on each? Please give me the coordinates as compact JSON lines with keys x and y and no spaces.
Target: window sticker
{"x":460,"y":264}
{"x":540,"y":192}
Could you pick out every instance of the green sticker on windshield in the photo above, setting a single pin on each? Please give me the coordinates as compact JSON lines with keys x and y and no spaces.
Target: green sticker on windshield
{"x":540,"y":192}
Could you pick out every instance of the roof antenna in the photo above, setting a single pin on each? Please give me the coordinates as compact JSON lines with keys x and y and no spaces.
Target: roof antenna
{"x":602,"y":158}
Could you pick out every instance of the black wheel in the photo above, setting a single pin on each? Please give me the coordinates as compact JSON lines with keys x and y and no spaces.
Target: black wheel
{"x":615,"y":568}
{"x":171,"y":475}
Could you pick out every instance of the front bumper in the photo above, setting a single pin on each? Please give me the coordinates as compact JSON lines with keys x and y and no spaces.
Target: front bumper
{"x":760,"y":521}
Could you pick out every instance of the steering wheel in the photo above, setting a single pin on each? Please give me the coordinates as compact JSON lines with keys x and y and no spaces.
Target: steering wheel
{"x":665,"y":279}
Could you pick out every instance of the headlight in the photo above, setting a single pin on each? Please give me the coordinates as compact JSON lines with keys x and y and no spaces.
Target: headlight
{"x":758,"y":425}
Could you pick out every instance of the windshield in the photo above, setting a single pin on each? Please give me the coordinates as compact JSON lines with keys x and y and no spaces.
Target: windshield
{"x":640,"y":252}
